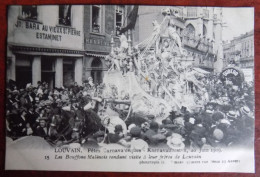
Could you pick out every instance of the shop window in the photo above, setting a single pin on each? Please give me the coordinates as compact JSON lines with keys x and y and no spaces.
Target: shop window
{"x":29,"y":12}
{"x":65,"y":15}
{"x":120,"y":12}
{"x":96,"y":18}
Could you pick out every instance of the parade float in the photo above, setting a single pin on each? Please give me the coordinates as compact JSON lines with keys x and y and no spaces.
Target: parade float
{"x":154,"y":77}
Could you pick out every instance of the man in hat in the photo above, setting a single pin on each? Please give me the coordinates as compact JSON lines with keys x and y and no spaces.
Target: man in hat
{"x":116,"y":136}
{"x":216,"y":139}
{"x":198,"y":132}
{"x":231,"y":132}
{"x":31,"y":116}
{"x":19,"y":126}
{"x":136,"y":142}
{"x":248,"y":124}
{"x":42,"y":129}
{"x":148,"y":135}
{"x":52,"y":131}
{"x":231,"y":115}
{"x":175,"y":141}
{"x":111,"y":121}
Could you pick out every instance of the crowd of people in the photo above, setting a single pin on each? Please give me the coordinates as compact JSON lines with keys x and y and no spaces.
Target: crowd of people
{"x":78,"y":114}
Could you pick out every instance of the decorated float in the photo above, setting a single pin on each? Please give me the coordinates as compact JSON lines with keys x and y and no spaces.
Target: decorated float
{"x":154,"y":77}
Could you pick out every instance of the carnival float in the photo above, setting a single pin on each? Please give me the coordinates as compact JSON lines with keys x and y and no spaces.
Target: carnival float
{"x":153,"y":77}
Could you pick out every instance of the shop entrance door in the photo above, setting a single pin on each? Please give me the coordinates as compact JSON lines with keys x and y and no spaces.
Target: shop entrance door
{"x":68,"y":72}
{"x":23,"y":70}
{"x":23,"y":76}
{"x":49,"y":78}
{"x":48,"y":72}
{"x":97,"y":71}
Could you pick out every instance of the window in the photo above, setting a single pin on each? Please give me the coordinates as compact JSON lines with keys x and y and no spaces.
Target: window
{"x":252,"y":48}
{"x":96,"y":72}
{"x":247,"y":48}
{"x":68,"y":71}
{"x":65,"y":15}
{"x":206,"y":13}
{"x":190,"y":30}
{"x":120,"y":11}
{"x":192,"y":12}
{"x":204,"y":30}
{"x":96,"y":18}
{"x":29,"y":12}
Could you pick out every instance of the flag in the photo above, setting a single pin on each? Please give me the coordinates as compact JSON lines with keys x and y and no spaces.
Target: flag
{"x":131,"y":20}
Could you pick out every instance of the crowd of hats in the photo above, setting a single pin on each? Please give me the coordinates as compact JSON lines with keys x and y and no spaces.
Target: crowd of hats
{"x":227,"y":120}
{"x":27,"y":108}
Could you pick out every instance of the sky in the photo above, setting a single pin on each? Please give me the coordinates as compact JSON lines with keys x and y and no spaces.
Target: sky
{"x":238,"y":21}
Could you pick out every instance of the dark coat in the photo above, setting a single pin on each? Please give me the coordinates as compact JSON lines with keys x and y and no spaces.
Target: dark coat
{"x":40,"y":132}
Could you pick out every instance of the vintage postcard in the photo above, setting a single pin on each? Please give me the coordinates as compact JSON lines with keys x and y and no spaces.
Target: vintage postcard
{"x":130,"y":88}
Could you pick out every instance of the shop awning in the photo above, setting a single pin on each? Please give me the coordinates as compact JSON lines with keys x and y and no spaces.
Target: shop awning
{"x":36,"y":50}
{"x":96,"y":54}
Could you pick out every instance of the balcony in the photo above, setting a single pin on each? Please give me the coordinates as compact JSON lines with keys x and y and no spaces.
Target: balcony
{"x":237,"y":52}
{"x":196,"y":42}
{"x":189,"y":41}
{"x":247,"y":58}
{"x":209,"y":65}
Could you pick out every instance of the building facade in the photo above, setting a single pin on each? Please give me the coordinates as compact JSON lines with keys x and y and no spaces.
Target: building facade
{"x":240,"y":50}
{"x":200,"y":29}
{"x":63,"y":44}
{"x":101,"y":23}
{"x":45,"y":43}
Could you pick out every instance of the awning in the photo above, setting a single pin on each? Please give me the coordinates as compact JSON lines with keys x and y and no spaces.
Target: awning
{"x":37,"y":50}
{"x":96,"y":54}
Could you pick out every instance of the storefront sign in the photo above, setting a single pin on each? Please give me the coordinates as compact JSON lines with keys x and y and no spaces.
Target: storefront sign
{"x":233,"y":75}
{"x":97,"y":41}
{"x":46,"y":32}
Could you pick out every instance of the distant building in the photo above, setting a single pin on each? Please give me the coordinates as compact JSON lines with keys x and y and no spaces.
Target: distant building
{"x":200,"y":29}
{"x":45,"y":43}
{"x":240,"y":50}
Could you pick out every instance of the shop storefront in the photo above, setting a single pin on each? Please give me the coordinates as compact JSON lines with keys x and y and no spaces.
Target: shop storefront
{"x":45,"y":49}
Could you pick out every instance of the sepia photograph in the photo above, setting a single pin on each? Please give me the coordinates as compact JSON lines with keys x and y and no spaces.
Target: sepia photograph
{"x":153,"y":88}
